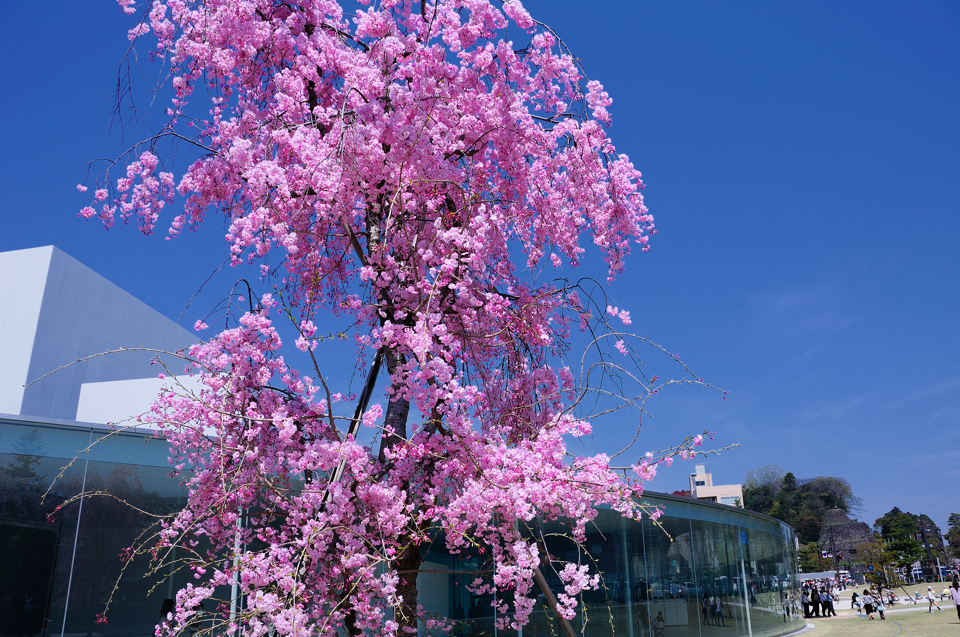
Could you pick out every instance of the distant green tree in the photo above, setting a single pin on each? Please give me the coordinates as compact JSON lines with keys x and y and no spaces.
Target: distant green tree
{"x":758,"y":498}
{"x":789,"y":482}
{"x":770,"y":475}
{"x":807,"y":526}
{"x":809,"y":556}
{"x":935,"y":540}
{"x":904,"y":550}
{"x":877,"y":555}
{"x":834,"y":493}
{"x":952,"y":538}
{"x":896,"y":522}
{"x":898,"y":529}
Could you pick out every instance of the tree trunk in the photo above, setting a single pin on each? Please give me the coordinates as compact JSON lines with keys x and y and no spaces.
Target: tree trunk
{"x":408,"y":562}
{"x":398,"y":409}
{"x":408,"y":567}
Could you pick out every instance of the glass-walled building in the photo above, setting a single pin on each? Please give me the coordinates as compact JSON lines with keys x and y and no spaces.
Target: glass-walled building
{"x":705,"y":569}
{"x":60,"y":557}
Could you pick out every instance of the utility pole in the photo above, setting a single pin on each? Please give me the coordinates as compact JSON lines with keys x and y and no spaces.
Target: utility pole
{"x":926,"y":545}
{"x":923,"y":534}
{"x":833,"y":550}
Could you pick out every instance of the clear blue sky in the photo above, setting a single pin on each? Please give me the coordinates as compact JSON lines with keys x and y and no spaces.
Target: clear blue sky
{"x":802,"y":164}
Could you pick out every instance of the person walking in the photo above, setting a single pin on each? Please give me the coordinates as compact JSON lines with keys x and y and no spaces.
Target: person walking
{"x":855,"y":601}
{"x":955,"y":593}
{"x":881,"y":608}
{"x":805,"y":601}
{"x":719,"y":609}
{"x":814,"y":602}
{"x":826,"y":601}
{"x":932,"y":598}
{"x":867,"y":600}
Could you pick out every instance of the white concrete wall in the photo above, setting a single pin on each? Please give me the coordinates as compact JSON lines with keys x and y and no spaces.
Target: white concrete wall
{"x":23,"y":278}
{"x":119,"y":402}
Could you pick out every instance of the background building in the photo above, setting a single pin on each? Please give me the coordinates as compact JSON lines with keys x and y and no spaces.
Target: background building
{"x":702,"y":488}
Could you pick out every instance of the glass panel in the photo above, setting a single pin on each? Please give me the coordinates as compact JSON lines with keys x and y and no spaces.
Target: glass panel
{"x":671,"y":592}
{"x":34,"y":536}
{"x":719,"y":601}
{"x":109,"y":526}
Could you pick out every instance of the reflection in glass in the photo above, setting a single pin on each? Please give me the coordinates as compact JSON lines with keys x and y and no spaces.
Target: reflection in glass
{"x":705,"y":569}
{"x":29,"y":540}
{"x":38,"y":534}
{"x":691,"y":574}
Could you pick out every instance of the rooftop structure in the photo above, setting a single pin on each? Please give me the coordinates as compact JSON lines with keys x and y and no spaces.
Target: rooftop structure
{"x":703,"y":488}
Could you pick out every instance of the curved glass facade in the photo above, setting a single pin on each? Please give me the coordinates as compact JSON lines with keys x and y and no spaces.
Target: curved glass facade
{"x":56,"y":575}
{"x":699,"y":555}
{"x":58,"y":568}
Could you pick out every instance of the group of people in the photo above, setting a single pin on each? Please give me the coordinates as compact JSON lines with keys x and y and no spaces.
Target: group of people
{"x":817,"y":600}
{"x":712,"y":608}
{"x":871,"y":601}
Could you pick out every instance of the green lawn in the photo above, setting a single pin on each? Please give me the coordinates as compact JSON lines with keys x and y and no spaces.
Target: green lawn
{"x":906,"y":623}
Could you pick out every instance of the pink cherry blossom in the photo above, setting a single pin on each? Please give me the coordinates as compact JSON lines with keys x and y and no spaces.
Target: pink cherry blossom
{"x":418,"y":176}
